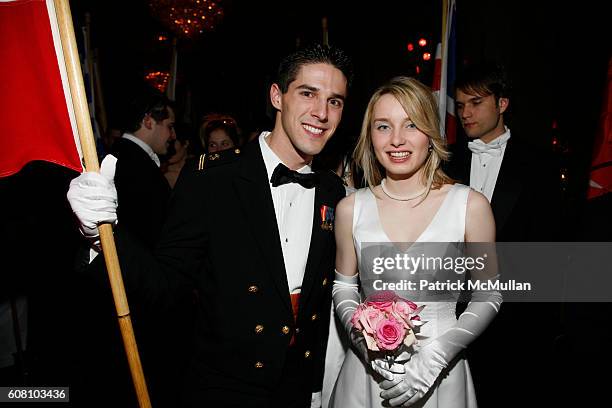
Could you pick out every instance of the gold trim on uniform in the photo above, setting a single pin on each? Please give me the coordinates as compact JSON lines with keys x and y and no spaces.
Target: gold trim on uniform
{"x":324,"y":281}
{"x":214,"y":156}
{"x":253,"y":288}
{"x":259,"y":329}
{"x":307,"y":354}
{"x":285,"y":329}
{"x":202,"y":161}
{"x":313,"y":317}
{"x":259,"y":364}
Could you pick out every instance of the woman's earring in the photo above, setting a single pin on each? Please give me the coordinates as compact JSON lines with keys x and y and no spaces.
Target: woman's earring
{"x":430,"y":148}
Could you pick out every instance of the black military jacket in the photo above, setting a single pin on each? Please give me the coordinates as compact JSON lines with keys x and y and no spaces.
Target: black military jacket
{"x":221,"y":238}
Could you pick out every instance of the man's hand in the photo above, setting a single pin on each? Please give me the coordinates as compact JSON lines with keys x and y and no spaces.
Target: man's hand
{"x":93,"y":199}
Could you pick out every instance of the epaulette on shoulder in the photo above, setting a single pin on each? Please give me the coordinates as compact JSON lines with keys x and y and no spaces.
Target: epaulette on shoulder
{"x":208,"y":160}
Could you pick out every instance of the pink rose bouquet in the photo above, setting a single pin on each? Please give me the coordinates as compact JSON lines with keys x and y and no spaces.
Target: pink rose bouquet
{"x":387,"y":322}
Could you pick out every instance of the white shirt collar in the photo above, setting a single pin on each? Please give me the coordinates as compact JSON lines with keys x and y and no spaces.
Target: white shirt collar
{"x":143,"y":146}
{"x":493,"y":147}
{"x":271,"y":159}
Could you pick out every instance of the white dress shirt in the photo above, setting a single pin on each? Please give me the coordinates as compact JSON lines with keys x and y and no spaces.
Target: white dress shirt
{"x":486,"y":162}
{"x":293,"y":205}
{"x":143,"y":146}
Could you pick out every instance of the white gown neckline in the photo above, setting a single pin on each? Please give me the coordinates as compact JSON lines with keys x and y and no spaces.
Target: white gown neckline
{"x":431,"y":223}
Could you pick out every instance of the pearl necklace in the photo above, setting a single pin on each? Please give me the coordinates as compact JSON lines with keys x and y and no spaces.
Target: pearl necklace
{"x":398,"y":198}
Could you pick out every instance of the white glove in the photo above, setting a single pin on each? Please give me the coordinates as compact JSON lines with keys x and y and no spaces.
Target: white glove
{"x":407,"y":383}
{"x":93,"y":199}
{"x":315,"y":400}
{"x":346,"y":297}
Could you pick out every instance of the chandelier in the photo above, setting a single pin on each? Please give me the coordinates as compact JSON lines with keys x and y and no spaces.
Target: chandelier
{"x":188,"y":17}
{"x":158,"y":79}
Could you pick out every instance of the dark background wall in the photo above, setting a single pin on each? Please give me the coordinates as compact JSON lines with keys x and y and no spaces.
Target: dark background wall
{"x":556,"y":55}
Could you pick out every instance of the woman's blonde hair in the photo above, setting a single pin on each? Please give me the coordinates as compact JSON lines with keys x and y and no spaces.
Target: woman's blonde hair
{"x":421,"y":107}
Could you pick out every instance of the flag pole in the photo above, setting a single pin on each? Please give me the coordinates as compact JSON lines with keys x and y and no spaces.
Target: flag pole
{"x":325,"y":31}
{"x":79,"y":100}
{"x":171,"y":90}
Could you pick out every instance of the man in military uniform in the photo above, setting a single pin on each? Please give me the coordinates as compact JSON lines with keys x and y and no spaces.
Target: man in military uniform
{"x":255,"y":237}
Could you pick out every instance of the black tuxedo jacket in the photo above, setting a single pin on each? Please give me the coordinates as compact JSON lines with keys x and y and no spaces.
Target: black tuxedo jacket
{"x":526,"y":201}
{"x":142,"y":192}
{"x":221,"y":237}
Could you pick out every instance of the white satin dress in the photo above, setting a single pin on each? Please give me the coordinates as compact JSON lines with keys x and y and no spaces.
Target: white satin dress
{"x":357,"y":385}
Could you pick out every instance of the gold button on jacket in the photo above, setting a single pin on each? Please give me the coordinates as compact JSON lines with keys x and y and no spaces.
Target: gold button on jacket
{"x":259,"y":329}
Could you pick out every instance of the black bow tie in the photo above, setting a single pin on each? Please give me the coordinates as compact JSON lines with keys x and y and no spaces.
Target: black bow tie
{"x":282,"y":175}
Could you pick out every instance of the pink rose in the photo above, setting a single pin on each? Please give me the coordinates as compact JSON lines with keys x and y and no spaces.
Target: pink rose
{"x":389,"y":334}
{"x":356,"y":316}
{"x":402,"y":311}
{"x":369,"y":319}
{"x":382,"y":300}
{"x":405,"y":311}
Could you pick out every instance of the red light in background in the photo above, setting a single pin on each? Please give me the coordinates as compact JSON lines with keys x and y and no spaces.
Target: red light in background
{"x":426,"y":56}
{"x":410,"y":47}
{"x":418,"y":69}
{"x":422,"y":42}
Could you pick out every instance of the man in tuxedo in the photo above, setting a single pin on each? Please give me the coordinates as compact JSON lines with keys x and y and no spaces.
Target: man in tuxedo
{"x":520,"y":182}
{"x":255,"y":237}
{"x":143,"y":193}
{"x":142,"y":190}
{"x":522,"y":186}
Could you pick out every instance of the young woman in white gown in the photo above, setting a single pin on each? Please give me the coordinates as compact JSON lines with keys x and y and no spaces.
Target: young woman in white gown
{"x":408,"y":200}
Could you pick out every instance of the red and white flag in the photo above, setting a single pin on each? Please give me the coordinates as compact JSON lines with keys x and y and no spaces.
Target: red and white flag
{"x":37,"y":119}
{"x":445,"y":71}
{"x":600,"y":180}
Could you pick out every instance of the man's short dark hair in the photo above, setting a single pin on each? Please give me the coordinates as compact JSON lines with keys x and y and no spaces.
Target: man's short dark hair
{"x":484,"y":80}
{"x":148,"y":102}
{"x":313,"y":54}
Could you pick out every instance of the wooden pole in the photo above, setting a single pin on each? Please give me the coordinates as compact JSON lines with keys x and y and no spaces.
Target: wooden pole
{"x":99,"y":100}
{"x":325,"y":31}
{"x":171,"y":90}
{"x":79,"y":100}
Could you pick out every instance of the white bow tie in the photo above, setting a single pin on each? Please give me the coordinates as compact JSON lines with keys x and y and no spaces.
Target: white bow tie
{"x":493,"y":149}
{"x":482,"y":148}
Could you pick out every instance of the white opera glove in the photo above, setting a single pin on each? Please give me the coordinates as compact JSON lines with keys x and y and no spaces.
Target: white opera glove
{"x":345,"y":293}
{"x":406,"y":384}
{"x":315,"y":400}
{"x":93,"y":198}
